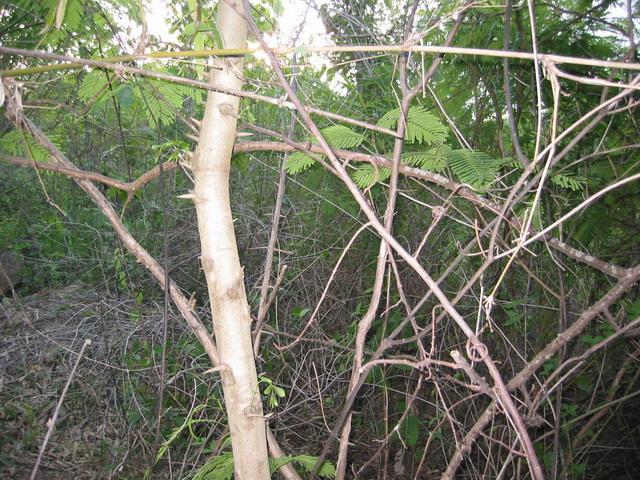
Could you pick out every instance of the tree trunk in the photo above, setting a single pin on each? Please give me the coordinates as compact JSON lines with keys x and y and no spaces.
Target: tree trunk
{"x":220,"y":261}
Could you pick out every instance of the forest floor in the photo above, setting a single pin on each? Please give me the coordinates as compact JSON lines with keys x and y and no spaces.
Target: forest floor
{"x":40,"y":338}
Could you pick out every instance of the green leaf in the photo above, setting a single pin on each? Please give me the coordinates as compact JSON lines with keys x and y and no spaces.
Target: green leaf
{"x":389,"y":119}
{"x":475,"y":168}
{"x":633,"y":310}
{"x":339,"y":136}
{"x":422,"y":126}
{"x":198,"y":41}
{"x":577,"y":469}
{"x":510,"y":163}
{"x":569,"y":181}
{"x":368,"y":175}
{"x":299,"y":311}
{"x":193,"y":8}
{"x":64,"y":12}
{"x":514,"y":315}
{"x":307,"y":462}
{"x":189,"y":29}
{"x":549,"y":366}
{"x":92,"y":84}
{"x":219,"y":467}
{"x":410,"y":430}
{"x":15,"y":143}
{"x":161,"y":101}
{"x":73,"y":15}
{"x":188,"y":422}
{"x":298,"y":162}
{"x":336,"y":136}
{"x":434,"y":159}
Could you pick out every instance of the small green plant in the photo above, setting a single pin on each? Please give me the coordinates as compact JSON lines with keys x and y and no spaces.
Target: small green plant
{"x":188,"y":424}
{"x":300,"y":312}
{"x":604,"y":331}
{"x":577,"y":470}
{"x":410,"y":430}
{"x":514,"y":314}
{"x":273,"y":392}
{"x":221,"y":466}
{"x":549,"y":366}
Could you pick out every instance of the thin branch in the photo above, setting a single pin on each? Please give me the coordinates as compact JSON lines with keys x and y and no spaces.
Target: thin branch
{"x":263,"y":303}
{"x":255,"y":146}
{"x":130,"y":187}
{"x":51,"y":423}
{"x":513,"y":130}
{"x":623,"y":285}
{"x":474,"y":341}
{"x":234,"y":52}
{"x":312,"y":318}
{"x":118,"y":68}
{"x":15,"y":114}
{"x":581,"y":206}
{"x":611,"y":392}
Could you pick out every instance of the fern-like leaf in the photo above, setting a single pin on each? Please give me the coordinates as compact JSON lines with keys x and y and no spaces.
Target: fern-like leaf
{"x":567,"y":180}
{"x":327,"y":469}
{"x":161,"y":100}
{"x":510,"y":163}
{"x":422,"y":126}
{"x":13,"y":143}
{"x":434,"y":159}
{"x":389,"y":119}
{"x":475,"y":168}
{"x":92,"y":84}
{"x":339,"y":136}
{"x":298,"y":162}
{"x":571,"y":182}
{"x":368,"y":175}
{"x":219,"y":467}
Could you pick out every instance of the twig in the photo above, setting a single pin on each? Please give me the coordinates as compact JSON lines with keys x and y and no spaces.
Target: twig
{"x":15,"y":114}
{"x":513,"y":129}
{"x":119,"y":68}
{"x":51,"y":423}
{"x":326,"y":289}
{"x":263,"y":304}
{"x":129,"y":187}
{"x":571,"y":213}
{"x":74,"y":63}
{"x":546,"y":353}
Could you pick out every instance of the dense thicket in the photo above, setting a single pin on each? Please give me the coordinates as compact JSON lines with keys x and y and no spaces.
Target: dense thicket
{"x":492,"y":150}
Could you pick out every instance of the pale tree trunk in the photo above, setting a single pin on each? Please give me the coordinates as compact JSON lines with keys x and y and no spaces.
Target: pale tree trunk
{"x":225,"y":279}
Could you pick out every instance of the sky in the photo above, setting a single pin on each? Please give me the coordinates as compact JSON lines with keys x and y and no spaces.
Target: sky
{"x":157,"y":13}
{"x":294,"y":13}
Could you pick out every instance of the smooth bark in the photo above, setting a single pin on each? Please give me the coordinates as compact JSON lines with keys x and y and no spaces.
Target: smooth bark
{"x":220,"y":261}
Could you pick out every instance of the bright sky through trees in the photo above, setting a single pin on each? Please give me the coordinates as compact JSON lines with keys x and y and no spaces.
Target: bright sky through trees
{"x":296,"y":14}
